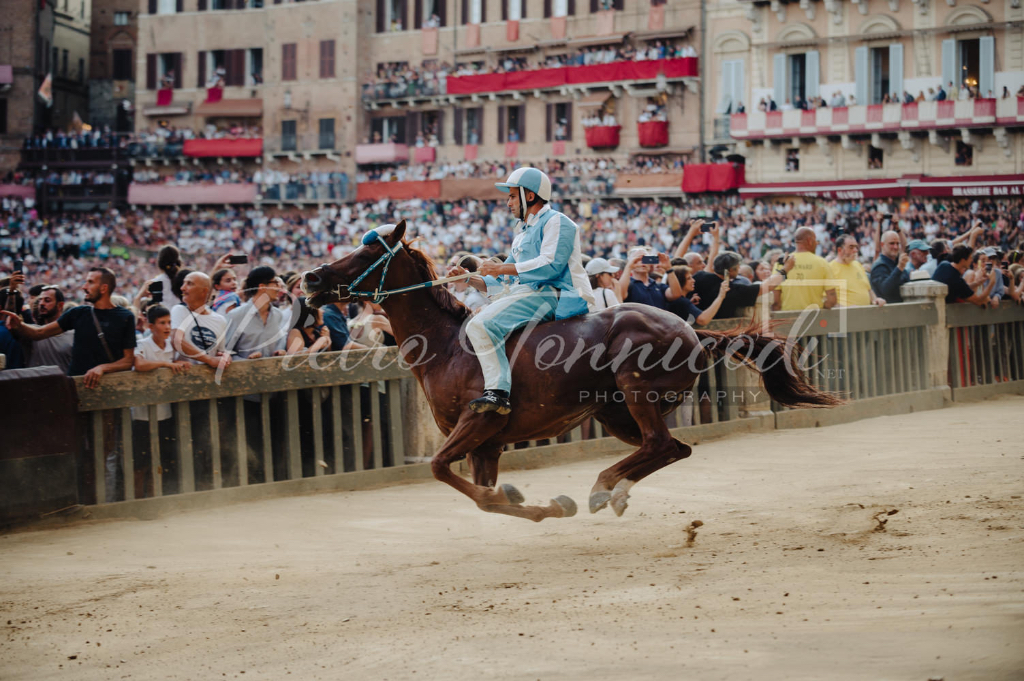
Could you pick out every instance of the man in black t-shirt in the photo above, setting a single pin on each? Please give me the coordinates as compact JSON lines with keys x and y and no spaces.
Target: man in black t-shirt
{"x":951,"y":273}
{"x":727,"y":264}
{"x":92,"y":354}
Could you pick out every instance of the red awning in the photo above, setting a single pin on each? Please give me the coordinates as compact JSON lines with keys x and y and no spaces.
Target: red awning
{"x":602,"y":136}
{"x":227,"y":148}
{"x":981,"y":185}
{"x":685,"y":67}
{"x":712,"y":177}
{"x":838,"y":189}
{"x":653,"y":133}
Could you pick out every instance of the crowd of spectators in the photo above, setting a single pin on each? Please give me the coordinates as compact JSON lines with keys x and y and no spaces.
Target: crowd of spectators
{"x":83,"y":139}
{"x":184,"y":176}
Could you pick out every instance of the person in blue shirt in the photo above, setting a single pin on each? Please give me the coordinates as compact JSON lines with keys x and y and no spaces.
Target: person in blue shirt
{"x":545,"y":279}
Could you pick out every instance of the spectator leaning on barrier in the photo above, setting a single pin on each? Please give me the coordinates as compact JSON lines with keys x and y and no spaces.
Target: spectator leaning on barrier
{"x":104,"y":339}
{"x":707,"y":285}
{"x":986,"y":261}
{"x":198,"y":332}
{"x":686,"y":309}
{"x":951,"y":273}
{"x":917,"y":251}
{"x":847,"y":268}
{"x":807,"y":284}
{"x":56,"y":350}
{"x":258,"y":328}
{"x":888,"y":272}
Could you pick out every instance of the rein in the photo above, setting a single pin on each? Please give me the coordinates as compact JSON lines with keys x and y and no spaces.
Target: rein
{"x":378,"y":295}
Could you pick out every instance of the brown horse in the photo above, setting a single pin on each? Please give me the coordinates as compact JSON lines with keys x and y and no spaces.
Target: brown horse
{"x":625,"y":366}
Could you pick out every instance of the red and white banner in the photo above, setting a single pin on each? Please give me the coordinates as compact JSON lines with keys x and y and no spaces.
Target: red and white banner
{"x":512,"y":31}
{"x":511,"y":149}
{"x":558,"y":148}
{"x":470,"y":152}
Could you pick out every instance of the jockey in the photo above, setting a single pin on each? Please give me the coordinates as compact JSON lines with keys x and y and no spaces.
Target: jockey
{"x":546,"y":279}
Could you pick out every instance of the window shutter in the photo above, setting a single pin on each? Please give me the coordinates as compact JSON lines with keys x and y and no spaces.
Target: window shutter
{"x":442,"y":12}
{"x":547,"y":8}
{"x":593,"y":6}
{"x":725,"y":86}
{"x":288,"y":66}
{"x":522,"y":9}
{"x":619,"y":4}
{"x":501,"y":124}
{"x":949,"y":69}
{"x":440,"y":127}
{"x":860,"y":75}
{"x":480,"y":123}
{"x":483,"y":11}
{"x":152,"y":6}
{"x":568,"y":121}
{"x":572,"y":8}
{"x":896,"y":69}
{"x":548,"y":113}
{"x":812,"y":79}
{"x":779,"y":84}
{"x":239,"y":58}
{"x":522,"y":123}
{"x":179,"y":6}
{"x":201,"y":6}
{"x":177,"y":61}
{"x":412,"y":126}
{"x":201,"y":80}
{"x":403,"y":14}
{"x":987,"y":67}
{"x":150,"y":71}
{"x":417,"y":19}
{"x":380,"y":16}
{"x":457,"y":127}
{"x":504,"y":11}
{"x":465,"y":12}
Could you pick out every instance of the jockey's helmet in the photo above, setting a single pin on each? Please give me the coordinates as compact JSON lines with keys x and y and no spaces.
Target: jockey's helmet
{"x":527,"y":178}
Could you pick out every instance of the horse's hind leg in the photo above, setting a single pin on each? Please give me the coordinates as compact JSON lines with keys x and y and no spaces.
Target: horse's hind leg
{"x":657,"y":449}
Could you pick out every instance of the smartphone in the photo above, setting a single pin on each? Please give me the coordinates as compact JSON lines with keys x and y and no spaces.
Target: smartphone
{"x":707,"y":227}
{"x":19,"y":265}
{"x":238,"y":259}
{"x":887,"y":216}
{"x":1006,"y":263}
{"x":649,"y":260}
{"x":988,"y":268}
{"x":156,"y":287}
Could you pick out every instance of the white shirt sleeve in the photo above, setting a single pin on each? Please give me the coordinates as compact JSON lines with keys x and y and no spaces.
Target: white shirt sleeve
{"x":547,"y":250}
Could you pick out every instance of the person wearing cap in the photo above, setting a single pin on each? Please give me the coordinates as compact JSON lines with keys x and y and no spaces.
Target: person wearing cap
{"x":602,"y":281}
{"x":918,"y":250}
{"x":545,"y":278}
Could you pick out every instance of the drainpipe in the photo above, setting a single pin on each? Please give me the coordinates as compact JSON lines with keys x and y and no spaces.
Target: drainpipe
{"x":700,"y":70}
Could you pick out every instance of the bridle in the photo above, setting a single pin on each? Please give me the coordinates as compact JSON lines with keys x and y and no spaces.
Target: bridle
{"x":379,"y":295}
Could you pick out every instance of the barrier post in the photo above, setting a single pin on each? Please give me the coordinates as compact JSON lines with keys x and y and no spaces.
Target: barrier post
{"x":936,"y":341}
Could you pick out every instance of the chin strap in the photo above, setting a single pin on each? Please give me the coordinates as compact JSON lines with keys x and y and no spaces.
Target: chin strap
{"x":522,"y":203}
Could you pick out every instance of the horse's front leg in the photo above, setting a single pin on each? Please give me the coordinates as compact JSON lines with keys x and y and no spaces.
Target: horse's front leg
{"x":466,"y":439}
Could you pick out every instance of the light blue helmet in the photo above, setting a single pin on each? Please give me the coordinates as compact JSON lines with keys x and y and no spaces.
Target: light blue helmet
{"x":524,"y":179}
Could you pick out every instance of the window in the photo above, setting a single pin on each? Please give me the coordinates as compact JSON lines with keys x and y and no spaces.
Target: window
{"x":964,"y":154}
{"x":797,"y":77}
{"x":474,"y":123}
{"x":474,"y":11}
{"x":876,"y":159}
{"x":731,"y":86}
{"x":512,"y":119}
{"x":559,"y":122}
{"x":969,"y":64}
{"x":391,"y":15}
{"x":288,"y":51}
{"x":166,"y":6}
{"x":288,"y":136}
{"x":430,"y":13}
{"x":254,"y":66}
{"x":604,"y":5}
{"x":163,"y":70}
{"x":327,"y":59}
{"x":226,"y":68}
{"x":390,"y":129}
{"x":326,"y":133}
{"x":792,"y":160}
{"x":432,"y":126}
{"x":121,"y":18}
{"x":122,"y":64}
{"x":81,"y":70}
{"x":879,"y":74}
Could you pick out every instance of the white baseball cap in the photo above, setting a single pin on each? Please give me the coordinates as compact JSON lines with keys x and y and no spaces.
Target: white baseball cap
{"x":600,"y":266}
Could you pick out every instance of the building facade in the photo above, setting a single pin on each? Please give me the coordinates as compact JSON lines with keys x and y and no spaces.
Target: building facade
{"x":27,"y":30}
{"x":879,"y":66}
{"x":114,"y":34}
{"x":69,"y":61}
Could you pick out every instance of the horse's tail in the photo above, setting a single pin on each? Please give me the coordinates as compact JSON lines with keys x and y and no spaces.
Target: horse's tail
{"x":775,"y":358}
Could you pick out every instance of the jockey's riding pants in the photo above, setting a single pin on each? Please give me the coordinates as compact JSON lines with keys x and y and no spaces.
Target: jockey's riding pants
{"x":488,"y":329}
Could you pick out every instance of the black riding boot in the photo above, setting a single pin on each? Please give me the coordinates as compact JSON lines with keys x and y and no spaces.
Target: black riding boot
{"x":492,"y":400}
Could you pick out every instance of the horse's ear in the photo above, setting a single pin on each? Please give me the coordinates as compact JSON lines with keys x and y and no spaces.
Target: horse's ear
{"x":396,"y":236}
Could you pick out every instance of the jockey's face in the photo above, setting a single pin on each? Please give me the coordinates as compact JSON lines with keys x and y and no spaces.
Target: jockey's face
{"x":513,"y":200}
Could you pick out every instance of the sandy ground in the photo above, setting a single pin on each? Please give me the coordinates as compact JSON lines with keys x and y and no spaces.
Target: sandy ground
{"x":787,"y":579}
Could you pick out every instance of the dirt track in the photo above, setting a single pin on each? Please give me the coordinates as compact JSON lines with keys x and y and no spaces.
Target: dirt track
{"x":788,"y":578}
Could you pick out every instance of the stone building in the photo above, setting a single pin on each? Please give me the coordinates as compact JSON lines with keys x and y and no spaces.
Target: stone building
{"x":114,"y":34}
{"x":26,"y":28}
{"x":70,"y":62}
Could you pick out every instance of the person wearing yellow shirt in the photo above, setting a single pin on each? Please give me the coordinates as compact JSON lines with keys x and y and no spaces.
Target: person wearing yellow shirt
{"x":807,"y":284}
{"x":846,"y":267}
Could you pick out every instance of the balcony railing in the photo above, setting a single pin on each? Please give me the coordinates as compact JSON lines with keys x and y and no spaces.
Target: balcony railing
{"x":877,"y":118}
{"x":303,"y":144}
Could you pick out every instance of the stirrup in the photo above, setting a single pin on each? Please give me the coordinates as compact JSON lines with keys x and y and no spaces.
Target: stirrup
{"x":492,"y":400}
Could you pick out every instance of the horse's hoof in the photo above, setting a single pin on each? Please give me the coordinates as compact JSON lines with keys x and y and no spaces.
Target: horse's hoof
{"x":599,"y":500}
{"x":515,"y":497}
{"x":619,"y":503}
{"x":567,"y":505}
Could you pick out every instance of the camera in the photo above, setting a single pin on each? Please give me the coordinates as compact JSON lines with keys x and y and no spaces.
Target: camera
{"x":156,"y":292}
{"x":238,"y":259}
{"x":649,"y":260}
{"x":707,"y":227}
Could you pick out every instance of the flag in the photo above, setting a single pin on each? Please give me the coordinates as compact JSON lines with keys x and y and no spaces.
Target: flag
{"x":512,"y":31}
{"x":46,"y":91}
{"x":473,"y":35}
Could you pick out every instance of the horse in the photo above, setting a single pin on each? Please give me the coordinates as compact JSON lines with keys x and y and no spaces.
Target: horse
{"x":624,"y":351}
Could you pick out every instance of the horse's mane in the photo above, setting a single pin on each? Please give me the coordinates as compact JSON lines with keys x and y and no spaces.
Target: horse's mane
{"x":442,"y":296}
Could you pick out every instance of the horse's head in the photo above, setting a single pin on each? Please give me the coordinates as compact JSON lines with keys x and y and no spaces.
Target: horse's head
{"x":359,"y":272}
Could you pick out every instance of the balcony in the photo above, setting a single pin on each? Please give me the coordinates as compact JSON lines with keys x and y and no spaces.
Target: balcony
{"x":81,"y":157}
{"x":245,"y":147}
{"x":305,"y":145}
{"x":879,"y":118}
{"x":190,"y":194}
{"x":382,"y":153}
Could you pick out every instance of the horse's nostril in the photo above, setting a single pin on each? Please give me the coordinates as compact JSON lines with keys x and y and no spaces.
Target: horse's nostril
{"x":312,"y":278}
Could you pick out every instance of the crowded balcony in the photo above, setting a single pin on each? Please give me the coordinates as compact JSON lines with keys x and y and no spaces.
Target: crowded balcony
{"x":868,"y":119}
{"x":84,"y":149}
